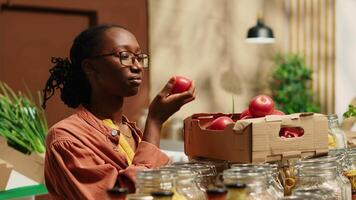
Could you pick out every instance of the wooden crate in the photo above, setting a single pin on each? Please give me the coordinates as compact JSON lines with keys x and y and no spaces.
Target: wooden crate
{"x":5,"y":171}
{"x":31,"y":165}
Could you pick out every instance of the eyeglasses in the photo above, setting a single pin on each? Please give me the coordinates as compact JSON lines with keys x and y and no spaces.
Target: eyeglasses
{"x":128,"y":58}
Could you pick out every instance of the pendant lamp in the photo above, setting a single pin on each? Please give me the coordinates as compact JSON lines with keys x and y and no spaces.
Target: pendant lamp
{"x":260,"y":33}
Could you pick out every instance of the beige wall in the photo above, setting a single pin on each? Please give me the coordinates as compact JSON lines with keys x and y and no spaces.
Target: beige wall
{"x":345,"y":59}
{"x":205,"y":41}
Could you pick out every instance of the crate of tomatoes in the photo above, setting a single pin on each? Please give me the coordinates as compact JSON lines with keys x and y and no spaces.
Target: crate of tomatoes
{"x":258,"y":134}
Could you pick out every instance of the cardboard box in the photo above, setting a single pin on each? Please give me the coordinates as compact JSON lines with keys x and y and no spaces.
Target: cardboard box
{"x":31,"y":165}
{"x":255,"y":140}
{"x":5,"y":171}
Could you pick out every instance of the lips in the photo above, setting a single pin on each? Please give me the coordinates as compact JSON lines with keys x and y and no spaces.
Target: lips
{"x":135,"y":80}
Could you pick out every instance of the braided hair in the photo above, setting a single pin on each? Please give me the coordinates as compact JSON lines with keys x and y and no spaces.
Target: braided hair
{"x":68,"y":75}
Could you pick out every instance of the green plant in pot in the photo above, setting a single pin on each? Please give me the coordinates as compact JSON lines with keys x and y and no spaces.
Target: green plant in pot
{"x":22,"y":122}
{"x":291,"y":89}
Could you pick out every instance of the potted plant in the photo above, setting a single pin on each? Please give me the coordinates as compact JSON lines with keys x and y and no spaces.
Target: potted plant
{"x":22,"y":132}
{"x":291,"y":89}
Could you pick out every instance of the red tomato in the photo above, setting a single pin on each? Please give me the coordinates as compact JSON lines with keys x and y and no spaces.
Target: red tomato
{"x":261,"y":106}
{"x":181,"y":84}
{"x":245,"y":114}
{"x":289,"y":132}
{"x":220,"y":123}
{"x":277,"y":112}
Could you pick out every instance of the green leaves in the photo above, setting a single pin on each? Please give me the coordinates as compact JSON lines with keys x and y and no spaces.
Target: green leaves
{"x":22,"y":122}
{"x":351,"y":112}
{"x":290,"y":86}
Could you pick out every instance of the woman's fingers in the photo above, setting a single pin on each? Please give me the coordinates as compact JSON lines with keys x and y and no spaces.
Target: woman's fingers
{"x":168,"y":87}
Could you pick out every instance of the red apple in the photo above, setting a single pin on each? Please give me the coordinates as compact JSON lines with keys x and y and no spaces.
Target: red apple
{"x":261,"y":106}
{"x":181,"y":84}
{"x":220,"y":123}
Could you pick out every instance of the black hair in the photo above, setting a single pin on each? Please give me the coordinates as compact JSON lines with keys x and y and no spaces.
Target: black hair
{"x":68,"y":75}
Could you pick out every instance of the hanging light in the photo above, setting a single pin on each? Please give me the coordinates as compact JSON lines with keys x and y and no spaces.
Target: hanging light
{"x":260,"y":33}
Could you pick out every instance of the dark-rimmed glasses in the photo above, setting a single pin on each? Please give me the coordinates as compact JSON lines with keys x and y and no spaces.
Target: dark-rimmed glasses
{"x":127,"y":58}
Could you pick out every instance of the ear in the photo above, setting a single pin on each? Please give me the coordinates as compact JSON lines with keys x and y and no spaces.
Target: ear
{"x":88,"y":67}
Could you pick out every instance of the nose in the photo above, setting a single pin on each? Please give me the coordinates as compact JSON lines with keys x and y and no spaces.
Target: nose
{"x":136,"y":66}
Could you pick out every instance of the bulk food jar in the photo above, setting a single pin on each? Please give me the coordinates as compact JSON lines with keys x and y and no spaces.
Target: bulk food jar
{"x":236,"y":191}
{"x":351,"y":170}
{"x":185,"y":185}
{"x":148,"y":181}
{"x":337,"y":138}
{"x":320,"y":175}
{"x":205,"y":173}
{"x":274,"y":186}
{"x":339,"y":161}
{"x":255,"y":179}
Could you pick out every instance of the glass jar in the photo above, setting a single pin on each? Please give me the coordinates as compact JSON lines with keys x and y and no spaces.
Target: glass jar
{"x":320,"y":175}
{"x":351,"y":171}
{"x":287,"y":174}
{"x":338,"y":160}
{"x":343,"y":158}
{"x":255,"y":179}
{"x":205,"y":173}
{"x":236,"y":191}
{"x":148,"y":181}
{"x":185,"y":185}
{"x":275,"y":187}
{"x":216,"y":193}
{"x":337,"y":134}
{"x":218,"y":165}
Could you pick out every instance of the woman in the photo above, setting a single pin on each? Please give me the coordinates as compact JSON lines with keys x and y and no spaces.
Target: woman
{"x":97,"y":147}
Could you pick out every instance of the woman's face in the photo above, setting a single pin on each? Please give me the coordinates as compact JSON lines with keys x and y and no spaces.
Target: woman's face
{"x":108,"y":75}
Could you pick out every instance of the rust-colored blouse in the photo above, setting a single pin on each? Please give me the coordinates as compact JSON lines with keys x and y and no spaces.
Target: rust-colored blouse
{"x":82,"y":158}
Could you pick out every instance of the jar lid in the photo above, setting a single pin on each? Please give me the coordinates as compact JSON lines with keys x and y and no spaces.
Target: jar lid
{"x":162,"y":193}
{"x":139,"y":197}
{"x":117,"y":191}
{"x":216,"y":191}
{"x":151,"y":174}
{"x":236,"y":185}
{"x":332,"y":116}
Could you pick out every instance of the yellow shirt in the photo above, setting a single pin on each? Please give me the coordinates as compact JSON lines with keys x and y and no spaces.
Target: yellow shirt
{"x":124,"y":146}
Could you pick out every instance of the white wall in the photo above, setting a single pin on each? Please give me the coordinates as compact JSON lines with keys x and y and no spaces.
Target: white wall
{"x":345,"y":54}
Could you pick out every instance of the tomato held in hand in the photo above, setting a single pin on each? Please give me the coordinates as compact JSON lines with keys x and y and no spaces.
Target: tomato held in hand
{"x":261,"y":106}
{"x":220,"y":123}
{"x":181,"y":84}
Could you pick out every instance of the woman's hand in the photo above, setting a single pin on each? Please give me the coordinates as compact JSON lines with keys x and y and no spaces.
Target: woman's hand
{"x":163,"y":106}
{"x":166,"y":104}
